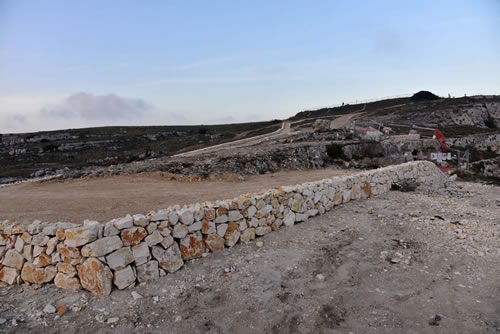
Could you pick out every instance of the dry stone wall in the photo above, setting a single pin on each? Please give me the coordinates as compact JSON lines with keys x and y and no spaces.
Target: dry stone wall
{"x":139,"y":248}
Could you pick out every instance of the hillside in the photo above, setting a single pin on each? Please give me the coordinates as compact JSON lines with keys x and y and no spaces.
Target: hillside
{"x":24,"y":154}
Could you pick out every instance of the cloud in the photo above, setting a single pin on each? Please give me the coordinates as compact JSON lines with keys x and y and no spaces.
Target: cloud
{"x":91,"y":107}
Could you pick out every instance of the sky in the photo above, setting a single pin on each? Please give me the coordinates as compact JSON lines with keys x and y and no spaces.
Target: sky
{"x":70,"y":64}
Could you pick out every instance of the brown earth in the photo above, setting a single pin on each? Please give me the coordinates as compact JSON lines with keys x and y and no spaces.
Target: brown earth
{"x":110,"y":197}
{"x":402,"y":262}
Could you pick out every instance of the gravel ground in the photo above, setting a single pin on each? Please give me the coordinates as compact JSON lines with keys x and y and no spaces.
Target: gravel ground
{"x":403,"y":262}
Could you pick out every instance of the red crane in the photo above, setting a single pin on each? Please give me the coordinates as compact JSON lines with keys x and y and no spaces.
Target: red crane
{"x":441,"y":140}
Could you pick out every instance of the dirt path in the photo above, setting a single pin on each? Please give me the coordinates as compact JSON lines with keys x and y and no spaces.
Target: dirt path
{"x":345,"y":120}
{"x":110,"y":197}
{"x":373,"y":266}
{"x":284,"y":130}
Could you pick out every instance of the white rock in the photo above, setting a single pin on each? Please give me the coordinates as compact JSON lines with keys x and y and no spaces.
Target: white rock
{"x":125,"y":222}
{"x":186,"y":216}
{"x":13,"y":259}
{"x":289,"y":219}
{"x":180,"y":231}
{"x":154,"y":238}
{"x":234,"y":215}
{"x":123,"y":278}
{"x":109,"y":229}
{"x":195,"y":226}
{"x":80,"y":236}
{"x":49,"y":309}
{"x":148,"y":272}
{"x":141,"y":253}
{"x":136,"y":295}
{"x":19,"y":245}
{"x":120,"y":258}
{"x":221,"y":229}
{"x":102,"y":246}
{"x":140,"y":220}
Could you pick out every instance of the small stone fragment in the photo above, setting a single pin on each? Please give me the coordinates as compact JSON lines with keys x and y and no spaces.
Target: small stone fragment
{"x":49,"y":308}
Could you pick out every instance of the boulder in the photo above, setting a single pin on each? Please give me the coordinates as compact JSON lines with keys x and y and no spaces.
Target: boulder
{"x":95,"y":277}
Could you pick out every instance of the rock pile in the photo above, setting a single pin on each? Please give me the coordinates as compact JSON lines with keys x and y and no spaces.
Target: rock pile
{"x":140,"y":248}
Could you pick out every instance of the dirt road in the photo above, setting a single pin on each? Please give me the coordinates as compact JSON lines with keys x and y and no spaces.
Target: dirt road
{"x":390,"y":264}
{"x":110,"y":197}
{"x":284,"y":130}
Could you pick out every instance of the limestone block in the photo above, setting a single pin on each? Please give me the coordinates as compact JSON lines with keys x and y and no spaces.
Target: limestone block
{"x":148,"y":272}
{"x":123,"y":278}
{"x":95,"y":277}
{"x":192,"y":246}
{"x":133,"y":236}
{"x":169,"y":259}
{"x":141,"y":253}
{"x":102,"y":246}
{"x":214,"y":242}
{"x":67,"y":282}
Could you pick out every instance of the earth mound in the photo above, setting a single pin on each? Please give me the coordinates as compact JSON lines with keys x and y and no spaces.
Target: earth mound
{"x":424,"y":95}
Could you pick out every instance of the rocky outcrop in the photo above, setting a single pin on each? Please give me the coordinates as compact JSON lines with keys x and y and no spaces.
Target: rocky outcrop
{"x":489,"y":168}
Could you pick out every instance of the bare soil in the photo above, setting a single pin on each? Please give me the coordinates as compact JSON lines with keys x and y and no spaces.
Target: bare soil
{"x":403,"y":262}
{"x":110,"y":197}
